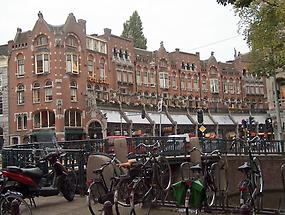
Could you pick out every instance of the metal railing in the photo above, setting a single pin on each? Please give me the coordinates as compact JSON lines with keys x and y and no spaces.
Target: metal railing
{"x":77,"y":152}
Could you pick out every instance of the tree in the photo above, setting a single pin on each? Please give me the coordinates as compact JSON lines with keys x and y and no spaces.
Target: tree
{"x":133,"y":27}
{"x":263,"y":24}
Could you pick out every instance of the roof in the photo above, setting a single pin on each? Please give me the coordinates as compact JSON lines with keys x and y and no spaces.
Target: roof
{"x":22,"y":37}
{"x":4,"y":50}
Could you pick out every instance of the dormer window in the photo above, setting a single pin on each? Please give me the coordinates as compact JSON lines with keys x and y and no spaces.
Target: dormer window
{"x":71,"y":41}
{"x":41,"y":40}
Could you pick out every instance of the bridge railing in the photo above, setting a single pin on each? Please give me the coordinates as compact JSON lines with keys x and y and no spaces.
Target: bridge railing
{"x":238,"y":147}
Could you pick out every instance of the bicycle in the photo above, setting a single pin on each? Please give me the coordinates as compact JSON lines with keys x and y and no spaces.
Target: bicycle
{"x":9,"y":198}
{"x":98,"y":190}
{"x":153,"y":175}
{"x":251,"y":186}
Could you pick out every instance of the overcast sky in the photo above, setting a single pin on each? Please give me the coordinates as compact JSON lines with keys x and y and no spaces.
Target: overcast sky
{"x":190,"y":25}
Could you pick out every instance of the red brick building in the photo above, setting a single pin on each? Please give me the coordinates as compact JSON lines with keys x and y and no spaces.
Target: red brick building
{"x":78,"y":85}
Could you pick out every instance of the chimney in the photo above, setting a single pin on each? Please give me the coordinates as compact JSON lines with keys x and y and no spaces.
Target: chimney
{"x":177,"y":49}
{"x":19,"y":30}
{"x":212,"y":53}
{"x":107,"y":31}
{"x":198,"y":54}
{"x":82,"y":22}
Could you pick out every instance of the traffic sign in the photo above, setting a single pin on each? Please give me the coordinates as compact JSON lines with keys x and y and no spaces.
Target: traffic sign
{"x":202,"y":128}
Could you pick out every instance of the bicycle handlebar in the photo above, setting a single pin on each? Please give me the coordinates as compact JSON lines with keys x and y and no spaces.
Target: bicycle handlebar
{"x":148,"y":145}
{"x":206,"y":153}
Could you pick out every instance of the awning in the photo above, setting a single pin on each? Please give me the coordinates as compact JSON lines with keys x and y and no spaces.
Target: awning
{"x":257,"y":118}
{"x":74,"y":131}
{"x":136,"y":118}
{"x":223,"y":120}
{"x":207,"y":119}
{"x":260,"y":119}
{"x":181,"y":119}
{"x":156,"y":118}
{"x":42,"y":135}
{"x":239,"y":118}
{"x":113,"y":116}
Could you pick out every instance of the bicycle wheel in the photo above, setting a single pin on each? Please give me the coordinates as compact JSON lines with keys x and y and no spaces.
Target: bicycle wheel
{"x":258,"y":183}
{"x":162,"y":173}
{"x":96,"y":196}
{"x":122,"y":194}
{"x":68,"y":188}
{"x":6,"y":205}
{"x":210,"y":189}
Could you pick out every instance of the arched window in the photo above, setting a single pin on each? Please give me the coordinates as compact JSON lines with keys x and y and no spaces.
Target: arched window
{"x":71,"y":41}
{"x":174,"y":84}
{"x":41,"y":40}
{"x":20,"y":65}
{"x":72,"y":118}
{"x":183,"y":82}
{"x":196,"y":83}
{"x":36,"y":92}
{"x":204,"y":83}
{"x":72,"y":63}
{"x":44,"y":119}
{"x":22,"y":121}
{"x":20,"y":94}
{"x":1,"y":103}
{"x":73,"y":91}
{"x":48,"y":91}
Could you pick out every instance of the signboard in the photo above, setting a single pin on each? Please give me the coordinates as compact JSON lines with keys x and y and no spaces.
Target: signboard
{"x":202,"y":128}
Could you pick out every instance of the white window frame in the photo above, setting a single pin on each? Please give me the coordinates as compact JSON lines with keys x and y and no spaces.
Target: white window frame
{"x":48,"y":92}
{"x":102,"y":70}
{"x":20,"y":67}
{"x":36,"y":89}
{"x":72,"y":63}
{"x":214,"y":85}
{"x":73,"y":91}
{"x":20,"y":95}
{"x":164,"y":80}
{"x":45,"y":59}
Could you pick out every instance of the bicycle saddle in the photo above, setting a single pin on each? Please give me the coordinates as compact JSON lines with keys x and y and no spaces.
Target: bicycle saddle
{"x":196,"y":167}
{"x":245,"y":166}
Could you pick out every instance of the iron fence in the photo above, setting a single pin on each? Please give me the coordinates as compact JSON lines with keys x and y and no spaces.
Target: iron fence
{"x":77,"y":152}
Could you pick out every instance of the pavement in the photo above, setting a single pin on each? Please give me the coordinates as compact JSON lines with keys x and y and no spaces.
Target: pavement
{"x":57,"y":205}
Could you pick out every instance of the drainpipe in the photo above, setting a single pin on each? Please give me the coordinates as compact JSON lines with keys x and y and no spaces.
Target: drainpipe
{"x":174,"y":123}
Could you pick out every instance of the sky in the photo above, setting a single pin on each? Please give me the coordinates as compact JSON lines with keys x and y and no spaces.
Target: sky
{"x":190,"y":25}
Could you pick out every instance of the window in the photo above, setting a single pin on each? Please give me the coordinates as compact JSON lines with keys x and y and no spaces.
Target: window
{"x":44,"y":119}
{"x":102,"y":69}
{"x":151,"y":78}
{"x":1,"y":103}
{"x":42,"y":63}
{"x":1,"y":80}
{"x":20,"y":65}
{"x":72,"y":63}
{"x":214,"y":85}
{"x":163,"y":80}
{"x":119,"y":75}
{"x":125,"y":77}
{"x":139,"y":79}
{"x":195,"y":83}
{"x":22,"y":121}
{"x":145,"y":78}
{"x":41,"y":40}
{"x":130,"y":77}
{"x":72,"y":118}
{"x":204,"y":84}
{"x":71,"y":41}
{"x":189,"y":84}
{"x":20,"y":94}
{"x":90,"y":67}
{"x":238,"y":87}
{"x":183,"y":83}
{"x":36,"y":93}
{"x":73,"y":91}
{"x":48,"y":91}
{"x":174,"y":81}
{"x":225,"y":83}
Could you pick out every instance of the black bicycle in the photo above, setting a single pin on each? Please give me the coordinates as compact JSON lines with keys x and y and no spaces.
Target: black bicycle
{"x":251,"y":186}
{"x":152,"y":175}
{"x":98,"y":191}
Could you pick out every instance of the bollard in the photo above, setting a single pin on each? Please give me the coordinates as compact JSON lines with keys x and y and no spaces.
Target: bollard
{"x":244,"y":210}
{"x":15,"y":207}
{"x":107,"y":208}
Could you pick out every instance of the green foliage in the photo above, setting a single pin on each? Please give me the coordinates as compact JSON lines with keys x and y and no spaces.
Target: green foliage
{"x":263,"y":24}
{"x":237,"y":3}
{"x":133,"y":28}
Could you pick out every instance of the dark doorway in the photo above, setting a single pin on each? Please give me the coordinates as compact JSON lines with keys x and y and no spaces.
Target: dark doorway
{"x":95,"y":130}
